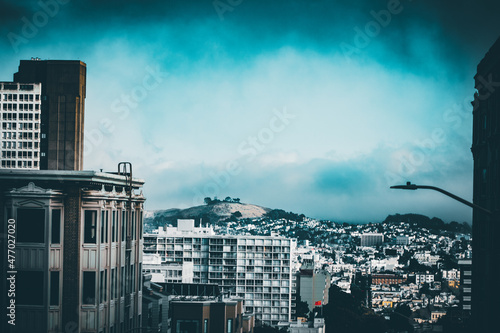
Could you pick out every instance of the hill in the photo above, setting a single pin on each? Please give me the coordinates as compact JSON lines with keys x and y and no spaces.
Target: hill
{"x":213,"y":213}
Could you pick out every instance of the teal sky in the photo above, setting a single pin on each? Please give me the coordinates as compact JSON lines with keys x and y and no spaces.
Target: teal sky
{"x":315,"y":107}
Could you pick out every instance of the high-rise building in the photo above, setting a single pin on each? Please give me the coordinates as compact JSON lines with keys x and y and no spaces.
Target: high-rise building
{"x":372,"y":239}
{"x":20,"y":108}
{"x":486,"y":228}
{"x":62,"y":110}
{"x":313,"y":284}
{"x":74,"y":251}
{"x":255,"y":268}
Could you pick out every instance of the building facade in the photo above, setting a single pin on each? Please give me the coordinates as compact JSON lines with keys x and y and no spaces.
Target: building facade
{"x":78,"y":250}
{"x":421,"y":278}
{"x":210,"y":316}
{"x":465,"y":286}
{"x":315,"y":326}
{"x":20,"y":109}
{"x":387,"y":279}
{"x":255,"y":268}
{"x":372,"y":239}
{"x":63,"y":84}
{"x":313,"y":285}
{"x":486,"y":153}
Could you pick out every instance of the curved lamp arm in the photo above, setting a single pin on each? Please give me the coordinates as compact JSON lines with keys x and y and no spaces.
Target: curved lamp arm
{"x":410,"y":186}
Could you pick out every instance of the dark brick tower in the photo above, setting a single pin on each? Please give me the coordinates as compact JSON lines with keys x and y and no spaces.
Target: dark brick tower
{"x":486,"y":228}
{"x":63,"y":110}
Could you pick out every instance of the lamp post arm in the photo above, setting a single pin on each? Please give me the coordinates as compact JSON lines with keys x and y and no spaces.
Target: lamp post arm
{"x":451,"y":195}
{"x":410,"y":186}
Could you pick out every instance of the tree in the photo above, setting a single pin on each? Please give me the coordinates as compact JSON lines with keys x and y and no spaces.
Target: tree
{"x":400,"y":319}
{"x":302,"y":308}
{"x":207,"y":200}
{"x":237,"y":200}
{"x":228,"y":199}
{"x":344,"y":313}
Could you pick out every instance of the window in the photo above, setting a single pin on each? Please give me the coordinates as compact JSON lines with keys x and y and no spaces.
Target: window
{"x":104,"y":226}
{"x":132,"y":279}
{"x":54,"y":288}
{"x":187,"y":326}
{"x":113,"y":283}
{"x":229,"y":326}
{"x":133,"y":225}
{"x":56,"y":226}
{"x":29,"y":288}
{"x":205,"y":326}
{"x":140,"y":225}
{"x":122,"y":279}
{"x":124,"y":225}
{"x":88,"y":292}
{"x":113,"y":226}
{"x":140,"y":276}
{"x":103,"y":286}
{"x":90,"y":226}
{"x":30,"y":225}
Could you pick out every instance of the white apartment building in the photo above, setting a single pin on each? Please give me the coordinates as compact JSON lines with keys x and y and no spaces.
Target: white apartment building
{"x":20,"y":107}
{"x":424,"y":278}
{"x":452,"y":274}
{"x":372,"y":239}
{"x":255,"y":268}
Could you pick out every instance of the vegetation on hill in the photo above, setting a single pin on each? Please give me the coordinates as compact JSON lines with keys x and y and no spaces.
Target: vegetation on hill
{"x":214,"y":201}
{"x":431,"y":224}
{"x":277,"y":214}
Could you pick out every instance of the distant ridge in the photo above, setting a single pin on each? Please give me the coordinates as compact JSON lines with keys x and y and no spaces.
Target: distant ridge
{"x":434,"y":223}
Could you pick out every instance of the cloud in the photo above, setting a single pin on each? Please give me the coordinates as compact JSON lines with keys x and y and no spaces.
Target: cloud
{"x":394,"y":110}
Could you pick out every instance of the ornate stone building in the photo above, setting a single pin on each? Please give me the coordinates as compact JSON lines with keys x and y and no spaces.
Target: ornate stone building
{"x":77,"y":253}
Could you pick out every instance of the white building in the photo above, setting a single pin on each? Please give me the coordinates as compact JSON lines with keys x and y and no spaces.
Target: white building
{"x":424,"y":278}
{"x":402,"y":240}
{"x":388,"y":264}
{"x":452,"y":274}
{"x":256,"y":268}
{"x":20,"y":107}
{"x":426,"y":258}
{"x":318,"y":326}
{"x":372,"y":239}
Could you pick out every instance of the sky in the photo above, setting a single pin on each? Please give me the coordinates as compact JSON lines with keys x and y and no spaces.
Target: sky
{"x":311,"y":106}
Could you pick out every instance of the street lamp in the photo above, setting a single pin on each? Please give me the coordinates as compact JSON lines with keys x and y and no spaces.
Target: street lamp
{"x":410,"y":186}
